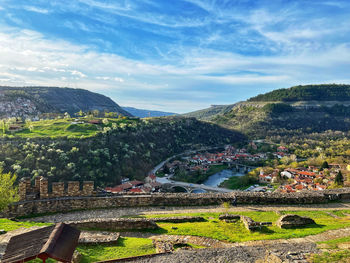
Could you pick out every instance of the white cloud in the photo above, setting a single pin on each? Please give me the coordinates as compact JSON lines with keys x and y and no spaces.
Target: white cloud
{"x":36,"y":9}
{"x":202,"y":75}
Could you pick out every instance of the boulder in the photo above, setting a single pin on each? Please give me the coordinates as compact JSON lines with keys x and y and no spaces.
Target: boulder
{"x":290,"y":221}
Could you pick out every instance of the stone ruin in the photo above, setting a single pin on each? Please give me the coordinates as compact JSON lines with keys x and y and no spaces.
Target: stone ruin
{"x":40,"y":190}
{"x":291,"y":221}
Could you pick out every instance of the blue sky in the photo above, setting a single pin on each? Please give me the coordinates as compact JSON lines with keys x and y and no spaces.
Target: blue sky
{"x":178,"y":55}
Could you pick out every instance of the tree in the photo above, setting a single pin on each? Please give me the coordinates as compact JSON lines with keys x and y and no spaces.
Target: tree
{"x":324,"y":165}
{"x":8,"y":192}
{"x":339,"y":179}
{"x":80,"y":113}
{"x":166,"y":169}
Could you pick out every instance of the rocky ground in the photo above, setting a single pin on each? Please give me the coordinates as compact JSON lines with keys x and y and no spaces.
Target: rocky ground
{"x":285,"y":252}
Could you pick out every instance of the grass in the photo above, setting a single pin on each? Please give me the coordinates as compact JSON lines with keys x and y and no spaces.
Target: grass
{"x":214,"y":228}
{"x":65,"y":128}
{"x":331,"y":257}
{"x":333,"y":243}
{"x":236,"y":232}
{"x":126,"y":247}
{"x":9,"y":225}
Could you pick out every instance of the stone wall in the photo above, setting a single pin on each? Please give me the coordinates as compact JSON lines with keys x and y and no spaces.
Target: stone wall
{"x":40,"y":190}
{"x":115,"y":224}
{"x":65,"y":204}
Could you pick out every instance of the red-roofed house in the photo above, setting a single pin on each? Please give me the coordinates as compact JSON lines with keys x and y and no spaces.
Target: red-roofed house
{"x":151,"y":178}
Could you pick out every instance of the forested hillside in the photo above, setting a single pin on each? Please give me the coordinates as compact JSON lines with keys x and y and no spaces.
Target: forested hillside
{"x":298,"y":111}
{"x":126,"y":149}
{"x":323,"y":92}
{"x":33,"y":101}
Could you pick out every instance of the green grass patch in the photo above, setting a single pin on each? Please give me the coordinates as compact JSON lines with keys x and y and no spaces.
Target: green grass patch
{"x":125,"y":247}
{"x":333,"y":243}
{"x":66,"y":128}
{"x":331,"y":257}
{"x":9,"y":225}
{"x":236,"y":232}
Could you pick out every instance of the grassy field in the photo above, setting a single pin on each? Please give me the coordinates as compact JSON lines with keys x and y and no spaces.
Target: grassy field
{"x":214,"y":228}
{"x":8,"y":225}
{"x":236,"y":232}
{"x":126,"y":247}
{"x":66,"y":128}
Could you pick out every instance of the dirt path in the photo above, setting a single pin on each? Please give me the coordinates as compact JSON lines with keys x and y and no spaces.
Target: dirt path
{"x":119,"y":212}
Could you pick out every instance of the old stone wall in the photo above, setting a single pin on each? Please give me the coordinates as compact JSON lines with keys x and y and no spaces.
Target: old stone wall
{"x":115,"y":224}
{"x":40,"y":190}
{"x":65,"y":204}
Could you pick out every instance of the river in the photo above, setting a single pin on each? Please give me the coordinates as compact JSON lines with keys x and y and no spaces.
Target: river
{"x":216,"y":179}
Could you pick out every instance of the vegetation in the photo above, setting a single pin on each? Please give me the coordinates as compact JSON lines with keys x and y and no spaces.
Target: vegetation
{"x":327,"y":257}
{"x":329,"y":92}
{"x":213,"y":228}
{"x":210,"y":113}
{"x":119,"y":148}
{"x":236,"y":232}
{"x":9,"y":225}
{"x":277,"y":108}
{"x":8,"y":191}
{"x":239,"y":182}
{"x":68,"y":127}
{"x":125,"y":247}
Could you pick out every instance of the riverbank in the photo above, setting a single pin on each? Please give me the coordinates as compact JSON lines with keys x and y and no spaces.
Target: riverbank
{"x":199,"y":177}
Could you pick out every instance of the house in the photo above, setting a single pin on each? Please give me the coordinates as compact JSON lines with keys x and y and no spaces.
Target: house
{"x":136,"y":184}
{"x":265,"y":178}
{"x":151,"y":178}
{"x":287,"y":174}
{"x":282,"y":149}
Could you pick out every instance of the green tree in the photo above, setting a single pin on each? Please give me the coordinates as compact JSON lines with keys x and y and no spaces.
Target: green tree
{"x":80,"y":113}
{"x":339,"y":179}
{"x":324,"y":165}
{"x":8,"y":192}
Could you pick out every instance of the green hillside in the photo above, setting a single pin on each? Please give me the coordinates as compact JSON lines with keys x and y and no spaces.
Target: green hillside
{"x":33,"y":101}
{"x":209,"y":113}
{"x":323,"y":92}
{"x":105,"y":152}
{"x":298,"y":111}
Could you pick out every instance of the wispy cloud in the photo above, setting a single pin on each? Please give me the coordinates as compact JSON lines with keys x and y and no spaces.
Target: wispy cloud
{"x":176,"y":57}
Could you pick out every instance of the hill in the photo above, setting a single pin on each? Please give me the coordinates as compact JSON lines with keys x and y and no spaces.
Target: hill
{"x":142,"y":113}
{"x":34,"y":101}
{"x":323,"y":92}
{"x":66,"y":149}
{"x":298,"y":111}
{"x":209,"y":113}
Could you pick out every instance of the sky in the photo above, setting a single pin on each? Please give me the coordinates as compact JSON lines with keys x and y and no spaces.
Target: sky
{"x":174,"y":55}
